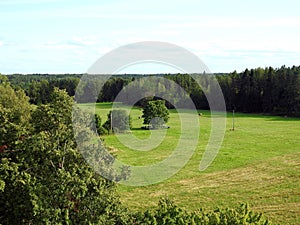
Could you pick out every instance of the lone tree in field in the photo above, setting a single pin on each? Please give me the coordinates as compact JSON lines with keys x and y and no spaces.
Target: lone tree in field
{"x":155,"y":114}
{"x":118,"y":120}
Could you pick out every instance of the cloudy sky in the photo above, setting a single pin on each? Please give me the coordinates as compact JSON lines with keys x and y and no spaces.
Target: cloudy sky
{"x":64,"y":36}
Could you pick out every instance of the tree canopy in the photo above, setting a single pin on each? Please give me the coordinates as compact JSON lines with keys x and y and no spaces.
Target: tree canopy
{"x":44,"y":179}
{"x":155,"y":113}
{"x":15,"y":113}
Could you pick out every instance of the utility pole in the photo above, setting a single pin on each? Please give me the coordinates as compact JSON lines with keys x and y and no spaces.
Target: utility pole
{"x":233,"y":120}
{"x":111,"y":120}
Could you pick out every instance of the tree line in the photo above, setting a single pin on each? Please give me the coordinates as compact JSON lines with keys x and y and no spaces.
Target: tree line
{"x":272,"y":91}
{"x":38,"y":87}
{"x":268,"y":90}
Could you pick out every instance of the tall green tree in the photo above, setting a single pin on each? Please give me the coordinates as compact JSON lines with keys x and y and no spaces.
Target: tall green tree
{"x":15,"y":113}
{"x":46,"y":180}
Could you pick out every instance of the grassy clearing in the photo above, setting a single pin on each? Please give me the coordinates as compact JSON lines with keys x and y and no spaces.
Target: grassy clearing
{"x":258,"y":163}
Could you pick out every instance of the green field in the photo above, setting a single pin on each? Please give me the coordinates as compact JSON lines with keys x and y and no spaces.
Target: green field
{"x":258,"y":163}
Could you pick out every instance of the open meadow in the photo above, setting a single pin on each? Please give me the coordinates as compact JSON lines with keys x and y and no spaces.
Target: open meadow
{"x":258,"y":164}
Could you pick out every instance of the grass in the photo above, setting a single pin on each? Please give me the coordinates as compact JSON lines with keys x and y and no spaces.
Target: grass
{"x":258,"y":163}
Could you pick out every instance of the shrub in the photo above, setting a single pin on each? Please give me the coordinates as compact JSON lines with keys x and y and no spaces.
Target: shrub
{"x":167,"y":213}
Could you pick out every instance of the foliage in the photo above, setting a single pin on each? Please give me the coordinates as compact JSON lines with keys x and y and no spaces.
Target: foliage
{"x":40,"y":86}
{"x":99,"y":128}
{"x":118,"y":120}
{"x":45,"y":180}
{"x":167,"y":213}
{"x":111,"y":88}
{"x":268,"y":90}
{"x":14,"y":114}
{"x":155,"y":113}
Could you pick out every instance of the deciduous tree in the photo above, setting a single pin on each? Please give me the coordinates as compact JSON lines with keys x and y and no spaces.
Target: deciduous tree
{"x":155,"y":113}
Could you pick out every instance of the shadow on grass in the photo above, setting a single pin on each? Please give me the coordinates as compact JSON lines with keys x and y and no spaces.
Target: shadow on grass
{"x":137,"y":128}
{"x":282,"y":118}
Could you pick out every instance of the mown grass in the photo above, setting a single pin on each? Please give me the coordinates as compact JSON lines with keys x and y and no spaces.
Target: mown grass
{"x":258,"y":163}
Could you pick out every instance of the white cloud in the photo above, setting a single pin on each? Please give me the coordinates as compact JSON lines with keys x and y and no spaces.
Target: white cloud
{"x":7,"y":43}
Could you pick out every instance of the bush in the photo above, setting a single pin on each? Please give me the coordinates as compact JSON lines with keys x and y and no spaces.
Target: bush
{"x":167,"y":213}
{"x":100,"y":129}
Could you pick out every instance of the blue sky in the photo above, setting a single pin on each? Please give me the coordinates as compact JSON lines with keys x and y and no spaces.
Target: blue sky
{"x":53,"y":36}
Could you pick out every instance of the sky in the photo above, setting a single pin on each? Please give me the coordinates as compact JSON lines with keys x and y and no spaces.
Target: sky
{"x":64,"y":36}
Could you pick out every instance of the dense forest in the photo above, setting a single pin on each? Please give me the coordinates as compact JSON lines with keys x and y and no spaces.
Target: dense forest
{"x":269,"y":90}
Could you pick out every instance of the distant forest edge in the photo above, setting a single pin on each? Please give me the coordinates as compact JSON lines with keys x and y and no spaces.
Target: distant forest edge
{"x":269,"y":90}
